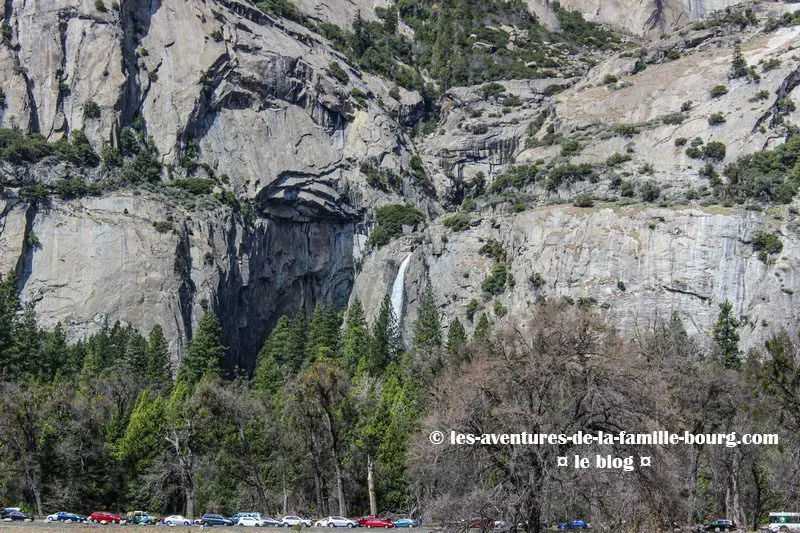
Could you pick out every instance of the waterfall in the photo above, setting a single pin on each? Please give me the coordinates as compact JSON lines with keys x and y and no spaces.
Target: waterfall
{"x":398,"y":289}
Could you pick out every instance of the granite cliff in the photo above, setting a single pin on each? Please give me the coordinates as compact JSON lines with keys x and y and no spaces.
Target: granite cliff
{"x":298,"y":151}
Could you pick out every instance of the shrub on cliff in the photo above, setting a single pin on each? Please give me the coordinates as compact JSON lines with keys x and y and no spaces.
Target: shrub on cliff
{"x":768,"y":176}
{"x":567,"y":174}
{"x":456,"y":222}
{"x":718,"y":90}
{"x":495,"y":281}
{"x":766,"y":244}
{"x":196,"y":186}
{"x":19,"y":148}
{"x":389,"y":222}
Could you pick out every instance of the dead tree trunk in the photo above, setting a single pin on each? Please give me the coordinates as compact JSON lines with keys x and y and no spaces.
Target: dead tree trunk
{"x":373,"y":501}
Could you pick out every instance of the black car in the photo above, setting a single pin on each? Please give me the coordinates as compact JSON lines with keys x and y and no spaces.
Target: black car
{"x":215,"y":520}
{"x":13,"y":514}
{"x":721,"y":525}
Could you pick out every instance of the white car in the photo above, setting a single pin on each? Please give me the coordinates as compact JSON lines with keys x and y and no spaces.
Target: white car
{"x":336,"y":521}
{"x":177,"y":520}
{"x":289,"y":521}
{"x":250,"y":521}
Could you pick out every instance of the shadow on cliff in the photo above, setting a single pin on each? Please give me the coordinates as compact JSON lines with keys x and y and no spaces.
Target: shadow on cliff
{"x":279,"y":267}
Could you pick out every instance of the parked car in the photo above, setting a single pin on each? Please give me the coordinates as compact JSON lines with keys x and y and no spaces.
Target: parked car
{"x":14,"y":515}
{"x":104,"y":517}
{"x":289,"y":521}
{"x":370,"y":521}
{"x":405,"y":522}
{"x":215,"y":520}
{"x":574,"y":524}
{"x":176,"y":520}
{"x":237,"y":516}
{"x":271,"y":522}
{"x":249,"y":521}
{"x":720,"y":525}
{"x":336,"y":521}
{"x":141,"y":518}
{"x":63,"y":516}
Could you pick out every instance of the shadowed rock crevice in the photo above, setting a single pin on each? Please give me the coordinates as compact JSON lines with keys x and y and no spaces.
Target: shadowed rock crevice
{"x":135,"y":17}
{"x":275,"y":268}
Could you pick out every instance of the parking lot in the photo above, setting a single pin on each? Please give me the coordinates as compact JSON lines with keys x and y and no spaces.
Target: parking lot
{"x":40,"y":525}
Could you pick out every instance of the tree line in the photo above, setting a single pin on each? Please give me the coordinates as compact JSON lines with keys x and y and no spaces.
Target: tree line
{"x":566,"y":369}
{"x":108,"y":423}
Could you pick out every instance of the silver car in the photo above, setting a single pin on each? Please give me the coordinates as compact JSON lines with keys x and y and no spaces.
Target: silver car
{"x":289,"y":521}
{"x":177,"y":520}
{"x":336,"y":521}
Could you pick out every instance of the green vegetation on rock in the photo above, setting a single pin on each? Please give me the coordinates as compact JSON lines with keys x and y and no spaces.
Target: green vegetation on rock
{"x":389,"y":222}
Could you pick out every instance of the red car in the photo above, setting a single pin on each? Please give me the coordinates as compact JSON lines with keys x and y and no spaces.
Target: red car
{"x":104,"y":517}
{"x":374,"y":521}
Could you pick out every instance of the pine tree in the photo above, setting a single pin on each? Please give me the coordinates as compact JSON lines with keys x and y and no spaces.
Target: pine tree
{"x":285,"y":346}
{"x":92,"y":363}
{"x":116,"y":344}
{"x":296,"y":346}
{"x":277,"y":345}
{"x":206,"y":351}
{"x":54,"y":353}
{"x":136,"y":353}
{"x":482,"y":329}
{"x":355,"y":338}
{"x":456,"y":337}
{"x":385,"y":434}
{"x":360,"y":39}
{"x":159,"y":367}
{"x":726,"y":338}
{"x":677,"y":339}
{"x":9,"y":306}
{"x":385,"y":339}
{"x":268,"y":376}
{"x":144,"y":434}
{"x":275,"y":351}
{"x":390,"y":20}
{"x":738,"y":64}
{"x":427,"y":326}
{"x":27,"y":345}
{"x":323,"y":333}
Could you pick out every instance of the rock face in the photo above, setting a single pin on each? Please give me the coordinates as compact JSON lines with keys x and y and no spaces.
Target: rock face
{"x":341,"y":12}
{"x":250,"y":92}
{"x":84,"y":262}
{"x":252,"y":99}
{"x":634,"y":265}
{"x":589,"y":110}
{"x":643,"y":17}
{"x":637,"y":17}
{"x":251,"y":96}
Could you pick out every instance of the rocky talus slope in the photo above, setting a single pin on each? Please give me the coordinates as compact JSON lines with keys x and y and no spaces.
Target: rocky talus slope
{"x":252,"y":98}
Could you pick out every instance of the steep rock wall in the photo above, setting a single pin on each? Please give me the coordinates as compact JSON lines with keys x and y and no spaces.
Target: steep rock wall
{"x":87,"y":261}
{"x":634,"y":265}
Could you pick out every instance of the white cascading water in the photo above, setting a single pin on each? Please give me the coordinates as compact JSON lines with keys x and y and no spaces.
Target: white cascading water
{"x":398,"y":289}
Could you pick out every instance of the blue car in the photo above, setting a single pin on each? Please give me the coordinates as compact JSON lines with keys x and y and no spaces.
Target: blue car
{"x":575,"y":524}
{"x":215,"y":520}
{"x":15,"y":514}
{"x":63,"y":516}
{"x":404,"y":522}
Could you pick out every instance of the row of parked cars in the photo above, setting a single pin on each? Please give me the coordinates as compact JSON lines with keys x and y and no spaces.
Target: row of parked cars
{"x":208,"y":520}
